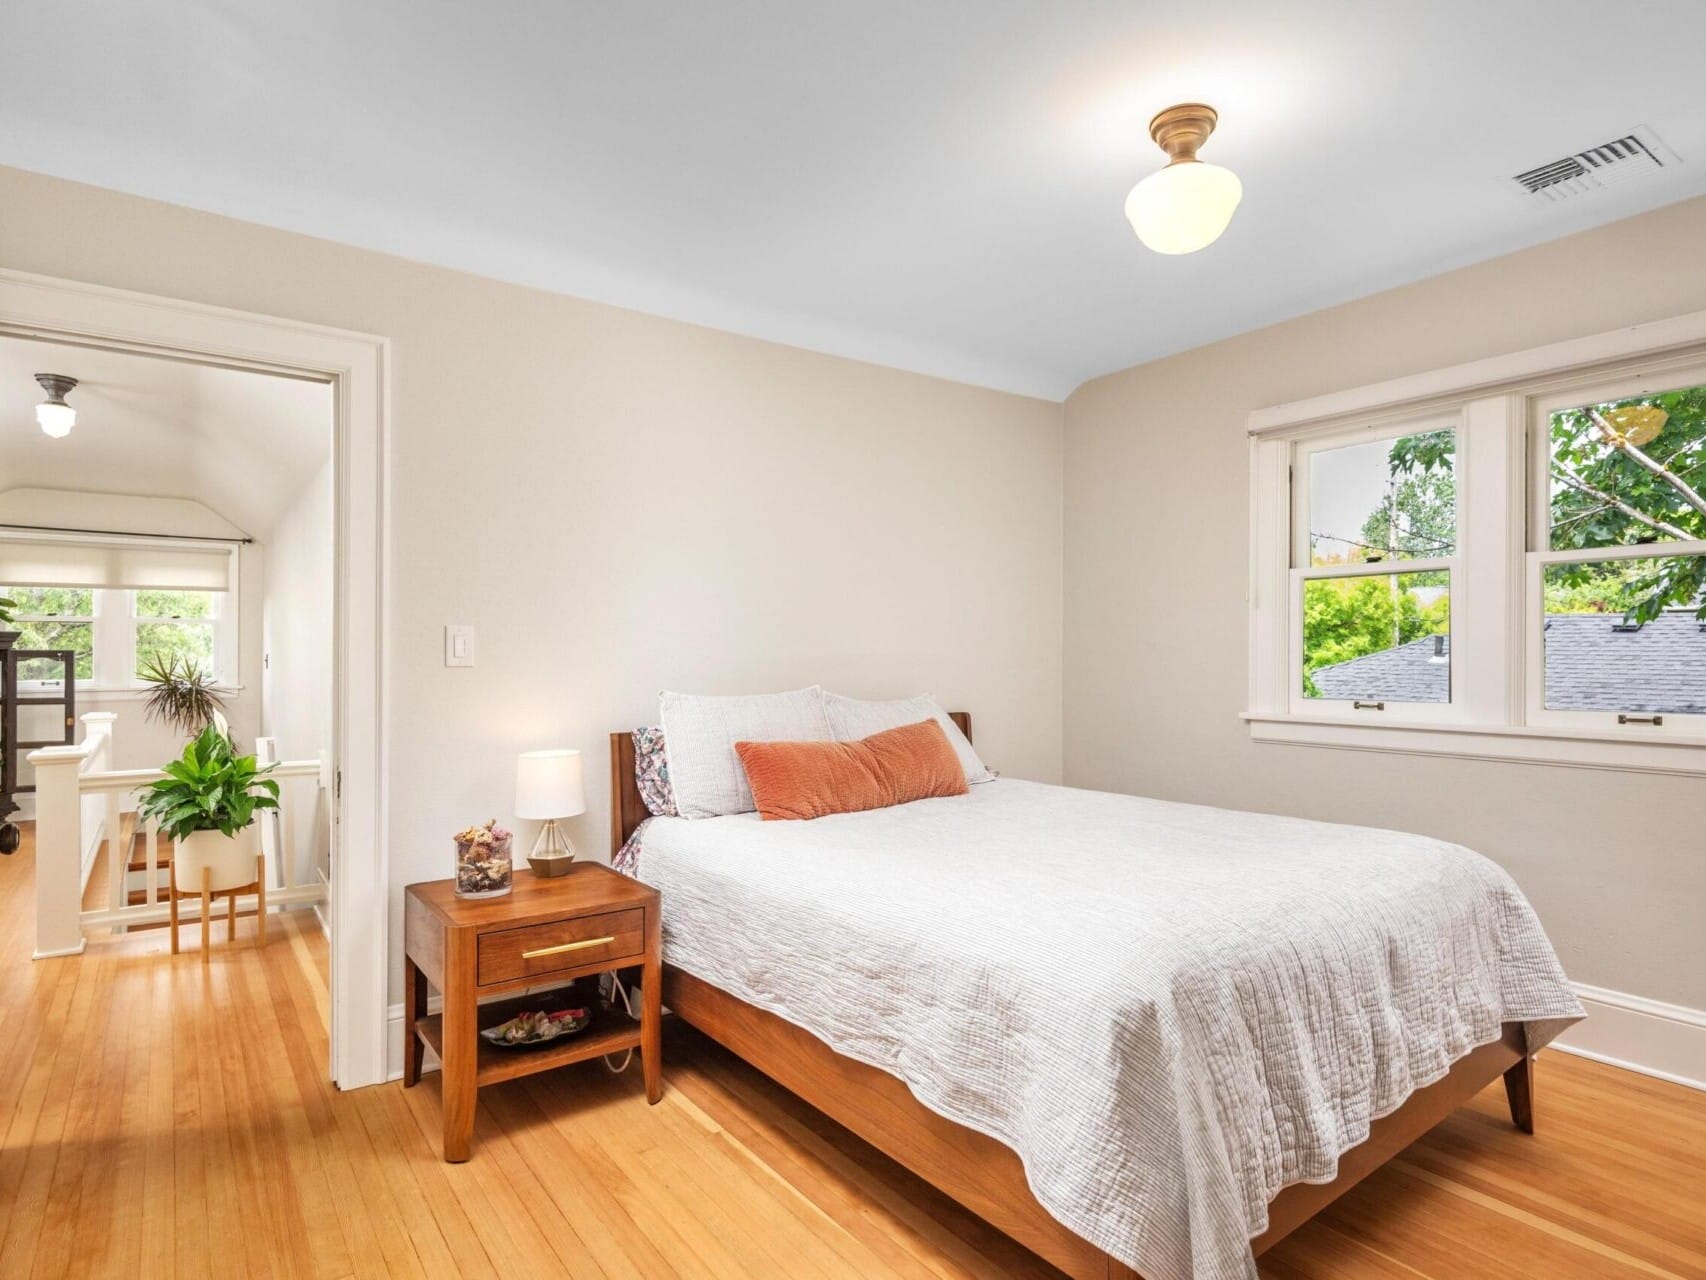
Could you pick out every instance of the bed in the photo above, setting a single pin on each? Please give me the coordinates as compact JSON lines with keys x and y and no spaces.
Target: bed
{"x":1160,"y":1090}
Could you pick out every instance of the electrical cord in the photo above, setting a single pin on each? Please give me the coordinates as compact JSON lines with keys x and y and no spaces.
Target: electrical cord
{"x":620,"y":993}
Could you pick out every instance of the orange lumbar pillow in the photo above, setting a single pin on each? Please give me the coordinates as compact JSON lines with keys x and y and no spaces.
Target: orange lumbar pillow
{"x":813,"y":779}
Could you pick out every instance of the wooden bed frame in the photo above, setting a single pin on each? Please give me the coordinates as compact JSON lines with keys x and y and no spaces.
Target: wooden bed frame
{"x":985,"y":1175}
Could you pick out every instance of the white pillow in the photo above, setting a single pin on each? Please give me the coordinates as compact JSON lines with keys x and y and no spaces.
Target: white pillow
{"x":700,"y":732}
{"x":851,"y":719}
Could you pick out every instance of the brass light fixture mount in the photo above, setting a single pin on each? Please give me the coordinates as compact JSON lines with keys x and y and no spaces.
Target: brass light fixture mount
{"x":1180,"y":130}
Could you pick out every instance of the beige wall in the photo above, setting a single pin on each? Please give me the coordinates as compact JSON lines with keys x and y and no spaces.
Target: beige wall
{"x":623,"y":503}
{"x":1157,"y":558}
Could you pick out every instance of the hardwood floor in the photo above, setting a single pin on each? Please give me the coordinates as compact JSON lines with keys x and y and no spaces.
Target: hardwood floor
{"x":160,"y":1118}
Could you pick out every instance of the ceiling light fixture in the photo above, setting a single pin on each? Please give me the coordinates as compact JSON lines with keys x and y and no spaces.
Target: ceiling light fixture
{"x":55,"y":416}
{"x":1188,"y":204}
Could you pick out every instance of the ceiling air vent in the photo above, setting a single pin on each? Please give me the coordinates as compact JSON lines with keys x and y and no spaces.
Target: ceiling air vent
{"x":1631,"y":156}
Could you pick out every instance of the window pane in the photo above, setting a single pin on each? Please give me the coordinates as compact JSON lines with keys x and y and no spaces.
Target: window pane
{"x":174,"y":604}
{"x":1627,"y":635}
{"x":1384,"y":500}
{"x":1381,"y":638}
{"x":63,"y":602}
{"x":160,"y":641}
{"x":1623,"y":472}
{"x":77,"y":636}
{"x":41,"y":724}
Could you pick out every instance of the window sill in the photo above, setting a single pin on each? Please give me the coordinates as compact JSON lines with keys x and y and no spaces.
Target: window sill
{"x":129,"y":692}
{"x":1570,"y":748}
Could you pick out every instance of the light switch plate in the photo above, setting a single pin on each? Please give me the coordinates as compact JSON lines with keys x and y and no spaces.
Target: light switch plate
{"x":458,"y":645}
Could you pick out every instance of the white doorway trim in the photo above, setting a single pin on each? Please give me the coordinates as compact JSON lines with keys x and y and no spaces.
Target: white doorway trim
{"x":356,"y":366}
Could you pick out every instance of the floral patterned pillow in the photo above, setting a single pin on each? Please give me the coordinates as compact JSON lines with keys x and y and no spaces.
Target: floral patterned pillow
{"x":651,"y":771}
{"x":627,"y":859}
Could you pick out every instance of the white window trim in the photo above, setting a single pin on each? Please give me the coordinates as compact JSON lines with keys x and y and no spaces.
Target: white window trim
{"x":1494,"y":632}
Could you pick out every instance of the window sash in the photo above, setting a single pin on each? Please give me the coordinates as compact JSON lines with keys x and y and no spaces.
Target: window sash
{"x":1301,"y":705}
{"x":1536,"y":712}
{"x":1630,"y":385}
{"x":1597,"y":389}
{"x":90,"y":620}
{"x":1304,"y":449}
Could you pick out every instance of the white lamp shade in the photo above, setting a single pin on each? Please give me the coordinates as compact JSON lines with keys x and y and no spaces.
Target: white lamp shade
{"x":56,"y":419}
{"x":1184,"y":207}
{"x":548,"y":784}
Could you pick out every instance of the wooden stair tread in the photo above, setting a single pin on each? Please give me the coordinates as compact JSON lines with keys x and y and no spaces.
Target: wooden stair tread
{"x":139,"y":853}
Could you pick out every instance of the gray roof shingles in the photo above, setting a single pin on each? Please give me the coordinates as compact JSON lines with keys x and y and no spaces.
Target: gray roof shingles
{"x":1589,"y":667}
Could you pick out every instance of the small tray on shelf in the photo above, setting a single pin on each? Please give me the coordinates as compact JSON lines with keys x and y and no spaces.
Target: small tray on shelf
{"x":533,"y":1027}
{"x":607,"y":1031}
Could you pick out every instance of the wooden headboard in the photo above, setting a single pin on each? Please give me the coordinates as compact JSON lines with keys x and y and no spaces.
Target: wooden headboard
{"x":628,"y":810}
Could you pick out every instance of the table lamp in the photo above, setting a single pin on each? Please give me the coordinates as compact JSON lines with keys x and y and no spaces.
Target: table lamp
{"x":548,"y":785}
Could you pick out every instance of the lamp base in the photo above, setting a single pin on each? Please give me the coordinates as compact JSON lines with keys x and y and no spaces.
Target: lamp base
{"x":553,"y":854}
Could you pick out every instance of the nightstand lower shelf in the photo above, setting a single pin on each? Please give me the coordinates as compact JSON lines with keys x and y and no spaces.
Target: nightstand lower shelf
{"x":610,"y":1032}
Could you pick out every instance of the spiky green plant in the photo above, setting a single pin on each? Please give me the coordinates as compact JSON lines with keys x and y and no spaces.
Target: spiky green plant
{"x":209,"y":788}
{"x":7,"y":604}
{"x":181,"y":694}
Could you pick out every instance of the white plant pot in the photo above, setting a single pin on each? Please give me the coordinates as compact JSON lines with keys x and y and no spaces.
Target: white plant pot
{"x":230,"y":858}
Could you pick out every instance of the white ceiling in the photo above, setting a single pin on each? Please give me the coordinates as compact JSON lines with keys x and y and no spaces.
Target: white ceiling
{"x":243,"y":444}
{"x":936,"y":186}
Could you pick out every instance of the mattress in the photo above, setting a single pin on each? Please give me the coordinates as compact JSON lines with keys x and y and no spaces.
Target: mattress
{"x":1169,"y":1012}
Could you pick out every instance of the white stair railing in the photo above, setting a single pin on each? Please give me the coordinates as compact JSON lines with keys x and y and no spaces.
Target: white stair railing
{"x":64,"y":783}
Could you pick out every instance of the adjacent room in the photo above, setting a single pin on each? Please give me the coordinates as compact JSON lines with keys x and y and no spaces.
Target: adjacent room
{"x":853,"y":641}
{"x":166,"y":573}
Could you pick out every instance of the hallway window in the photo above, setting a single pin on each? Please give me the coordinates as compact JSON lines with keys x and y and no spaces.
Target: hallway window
{"x":54,"y":618}
{"x":176,"y":624}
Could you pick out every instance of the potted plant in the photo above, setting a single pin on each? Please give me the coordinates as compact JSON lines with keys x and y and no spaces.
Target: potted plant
{"x":180,"y":694}
{"x":207,"y":804}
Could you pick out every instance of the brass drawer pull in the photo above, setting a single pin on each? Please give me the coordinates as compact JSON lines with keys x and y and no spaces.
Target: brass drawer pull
{"x":566,"y":946}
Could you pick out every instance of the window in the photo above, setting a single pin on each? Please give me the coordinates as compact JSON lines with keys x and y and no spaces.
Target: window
{"x":1623,"y":630}
{"x":1501,"y":564}
{"x":175,"y":625}
{"x":118,"y":634}
{"x":54,"y":618}
{"x":1375,"y":541}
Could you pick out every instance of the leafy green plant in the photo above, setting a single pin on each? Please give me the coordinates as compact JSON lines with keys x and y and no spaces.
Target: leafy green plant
{"x":209,"y":788}
{"x":180,"y":694}
{"x":7,"y":604}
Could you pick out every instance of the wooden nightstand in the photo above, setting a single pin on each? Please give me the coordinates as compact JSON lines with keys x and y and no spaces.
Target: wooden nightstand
{"x":548,"y":931}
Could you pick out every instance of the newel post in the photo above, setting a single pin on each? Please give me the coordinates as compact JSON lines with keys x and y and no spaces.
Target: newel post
{"x":59,"y":851}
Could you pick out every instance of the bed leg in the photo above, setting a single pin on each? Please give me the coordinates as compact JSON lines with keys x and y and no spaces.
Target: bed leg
{"x":1519,"y":1091}
{"x":1118,"y":1270}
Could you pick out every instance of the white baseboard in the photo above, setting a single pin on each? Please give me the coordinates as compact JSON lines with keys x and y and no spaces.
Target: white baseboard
{"x":1667,"y":1041}
{"x":394,"y":1040}
{"x":323,"y":908}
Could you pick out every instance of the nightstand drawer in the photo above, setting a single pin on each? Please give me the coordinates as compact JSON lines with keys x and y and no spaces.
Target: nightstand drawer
{"x":564,"y":944}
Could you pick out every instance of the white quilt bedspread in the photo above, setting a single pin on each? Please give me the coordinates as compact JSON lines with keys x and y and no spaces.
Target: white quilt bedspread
{"x":1170,"y":1012}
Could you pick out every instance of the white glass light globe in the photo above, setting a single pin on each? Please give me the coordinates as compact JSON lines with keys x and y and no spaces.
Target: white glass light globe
{"x":1184,"y":207}
{"x":56,"y":419}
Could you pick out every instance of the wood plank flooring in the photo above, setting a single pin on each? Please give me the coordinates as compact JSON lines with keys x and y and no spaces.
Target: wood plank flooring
{"x":158,"y":1118}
